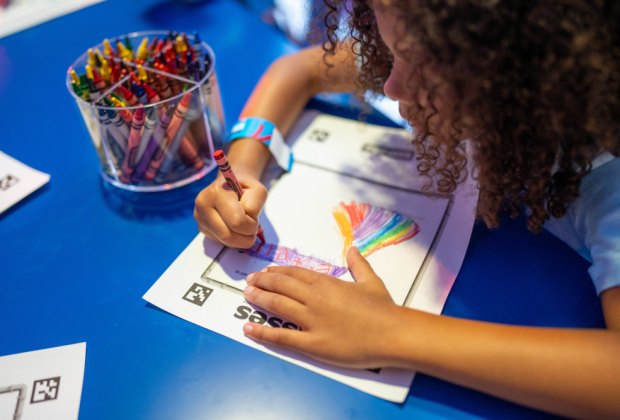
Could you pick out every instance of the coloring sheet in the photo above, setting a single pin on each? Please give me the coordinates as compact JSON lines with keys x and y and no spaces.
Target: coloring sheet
{"x":351,"y":184}
{"x":17,"y":181}
{"x":42,"y":384}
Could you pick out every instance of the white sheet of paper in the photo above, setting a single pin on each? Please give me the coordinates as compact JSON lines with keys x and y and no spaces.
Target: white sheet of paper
{"x":42,"y":384}
{"x":335,"y":160}
{"x":24,"y":14}
{"x":17,"y":181}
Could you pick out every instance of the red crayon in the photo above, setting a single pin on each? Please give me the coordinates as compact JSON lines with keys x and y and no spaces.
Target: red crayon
{"x":99,"y":82}
{"x":233,"y":182}
{"x":151,"y":95}
{"x":128,"y":95}
{"x":129,"y":163}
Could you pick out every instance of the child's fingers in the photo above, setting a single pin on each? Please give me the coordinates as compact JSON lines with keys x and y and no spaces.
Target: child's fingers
{"x":360,"y":268}
{"x":254,"y":198}
{"x":281,"y":337}
{"x":276,"y":303}
{"x":281,"y":284}
{"x":299,"y":273}
{"x":235,"y":218}
{"x":211,"y":224}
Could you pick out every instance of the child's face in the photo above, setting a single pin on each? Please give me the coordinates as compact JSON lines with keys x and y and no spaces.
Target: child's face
{"x":398,"y":85}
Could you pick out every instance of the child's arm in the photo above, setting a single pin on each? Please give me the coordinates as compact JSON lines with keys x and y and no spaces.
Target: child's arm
{"x":279,"y":97}
{"x":573,"y":372}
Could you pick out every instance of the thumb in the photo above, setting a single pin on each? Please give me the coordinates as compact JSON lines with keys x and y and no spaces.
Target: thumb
{"x":360,"y":268}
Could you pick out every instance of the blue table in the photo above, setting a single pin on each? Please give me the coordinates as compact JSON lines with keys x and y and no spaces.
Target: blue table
{"x":75,"y":260}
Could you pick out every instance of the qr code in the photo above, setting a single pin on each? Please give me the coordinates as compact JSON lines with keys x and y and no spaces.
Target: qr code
{"x":45,"y":390}
{"x":8,"y":181}
{"x":318,"y":135}
{"x":197,"y":294}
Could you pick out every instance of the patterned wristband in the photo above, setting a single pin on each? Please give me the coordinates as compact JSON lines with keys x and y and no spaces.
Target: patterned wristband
{"x":266,"y":132}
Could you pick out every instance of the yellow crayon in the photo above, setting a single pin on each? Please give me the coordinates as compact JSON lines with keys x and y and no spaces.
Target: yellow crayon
{"x":106,"y":70}
{"x":92,"y":61}
{"x":180,"y":45}
{"x":142,"y":49}
{"x":107,"y":48}
{"x":142,"y":76}
{"x":89,"y":71}
{"x":117,"y":102}
{"x":75,"y":79}
{"x":123,"y":51}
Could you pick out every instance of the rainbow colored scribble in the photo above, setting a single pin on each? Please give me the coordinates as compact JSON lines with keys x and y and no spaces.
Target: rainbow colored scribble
{"x":367,"y":227}
{"x":282,"y":255}
{"x":371,"y":228}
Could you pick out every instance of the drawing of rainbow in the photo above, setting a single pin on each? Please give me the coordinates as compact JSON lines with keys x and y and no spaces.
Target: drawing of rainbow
{"x":367,"y":227}
{"x":371,"y":228}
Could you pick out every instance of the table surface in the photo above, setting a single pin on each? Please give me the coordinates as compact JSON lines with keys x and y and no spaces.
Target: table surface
{"x":75,"y":259}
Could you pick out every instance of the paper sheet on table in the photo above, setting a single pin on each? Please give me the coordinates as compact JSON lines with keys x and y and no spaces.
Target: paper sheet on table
{"x":24,"y":14}
{"x":17,"y":181}
{"x":336,"y":160}
{"x":42,"y":384}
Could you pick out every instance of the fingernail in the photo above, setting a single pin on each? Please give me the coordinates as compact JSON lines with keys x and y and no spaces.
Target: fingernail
{"x":248,"y":328}
{"x":250,"y":277}
{"x":248,"y":290}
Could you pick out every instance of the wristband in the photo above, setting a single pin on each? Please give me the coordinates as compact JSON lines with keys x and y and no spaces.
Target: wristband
{"x":265,"y":132}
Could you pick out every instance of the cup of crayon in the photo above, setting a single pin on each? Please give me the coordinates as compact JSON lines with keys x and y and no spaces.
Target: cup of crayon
{"x":151,"y":104}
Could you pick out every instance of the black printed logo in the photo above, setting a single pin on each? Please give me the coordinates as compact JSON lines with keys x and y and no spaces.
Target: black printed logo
{"x":45,"y":390}
{"x":8,"y":181}
{"x":197,"y":294}
{"x":318,"y":135}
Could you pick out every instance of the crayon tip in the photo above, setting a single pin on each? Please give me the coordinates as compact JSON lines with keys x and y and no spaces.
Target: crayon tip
{"x":89,"y":71}
{"x":186,"y":98}
{"x":218,"y":155}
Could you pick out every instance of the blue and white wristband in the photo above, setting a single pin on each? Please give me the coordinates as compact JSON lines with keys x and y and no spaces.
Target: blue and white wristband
{"x":266,"y":132}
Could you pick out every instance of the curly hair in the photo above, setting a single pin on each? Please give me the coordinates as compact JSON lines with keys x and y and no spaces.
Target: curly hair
{"x":537,"y":88}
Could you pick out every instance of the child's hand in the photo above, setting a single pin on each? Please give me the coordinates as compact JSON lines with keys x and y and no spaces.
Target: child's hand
{"x":223,"y":217}
{"x":343,"y":323}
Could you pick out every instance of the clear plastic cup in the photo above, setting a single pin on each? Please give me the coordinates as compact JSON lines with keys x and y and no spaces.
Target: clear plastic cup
{"x":163,"y":139}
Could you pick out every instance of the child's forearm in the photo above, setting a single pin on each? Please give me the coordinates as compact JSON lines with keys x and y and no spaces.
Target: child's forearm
{"x":281,"y":95}
{"x":567,"y":371}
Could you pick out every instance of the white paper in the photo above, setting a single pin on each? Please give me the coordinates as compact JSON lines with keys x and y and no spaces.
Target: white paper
{"x":336,"y":160}
{"x":23,"y":14}
{"x":42,"y":384}
{"x":17,"y":181}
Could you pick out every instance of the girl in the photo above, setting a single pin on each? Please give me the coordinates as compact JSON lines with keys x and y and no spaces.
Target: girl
{"x":535,"y":85}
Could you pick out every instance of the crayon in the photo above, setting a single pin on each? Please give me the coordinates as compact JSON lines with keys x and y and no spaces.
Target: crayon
{"x":140,"y":93}
{"x":233,"y":182}
{"x":167,"y":152}
{"x":183,"y":115}
{"x":128,"y":95}
{"x":142,"y":53}
{"x":91,"y":57}
{"x":142,"y":76}
{"x":153,"y":149}
{"x":124,"y":52}
{"x":108,"y":49}
{"x":119,"y":128}
{"x":97,"y":80}
{"x":129,"y":163}
{"x":109,"y":132}
{"x":149,"y":126}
